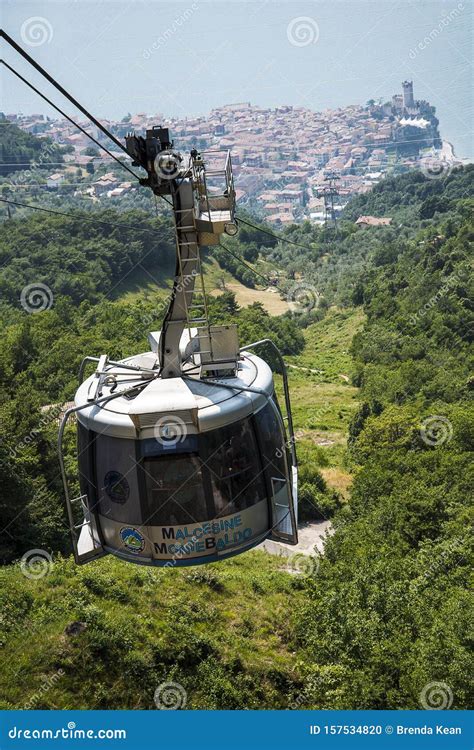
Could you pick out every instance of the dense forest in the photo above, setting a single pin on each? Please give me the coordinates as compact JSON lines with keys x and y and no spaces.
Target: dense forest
{"x":385,"y":611}
{"x":20,"y":151}
{"x":390,"y":610}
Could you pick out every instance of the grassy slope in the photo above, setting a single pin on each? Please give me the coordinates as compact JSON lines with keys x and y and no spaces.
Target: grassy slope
{"x":324,"y":402}
{"x":156,"y":284}
{"x":224,"y":632}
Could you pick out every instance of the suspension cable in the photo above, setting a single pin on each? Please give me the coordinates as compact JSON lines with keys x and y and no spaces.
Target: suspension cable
{"x":268,"y":281}
{"x":61,"y":89}
{"x":58,"y":109}
{"x":82,"y":218}
{"x":272,"y":234}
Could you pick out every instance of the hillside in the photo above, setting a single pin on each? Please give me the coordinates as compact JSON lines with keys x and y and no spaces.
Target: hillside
{"x":388,"y":613}
{"x":224,"y":632}
{"x":20,"y":150}
{"x":381,"y":380}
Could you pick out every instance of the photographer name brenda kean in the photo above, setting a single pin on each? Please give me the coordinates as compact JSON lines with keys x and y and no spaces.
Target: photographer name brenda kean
{"x":378,"y":729}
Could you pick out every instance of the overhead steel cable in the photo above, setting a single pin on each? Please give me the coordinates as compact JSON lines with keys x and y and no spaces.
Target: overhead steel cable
{"x":272,"y":234}
{"x":74,"y":101}
{"x":73,"y":122}
{"x":81,"y":218}
{"x":60,"y":88}
{"x":268,"y":281}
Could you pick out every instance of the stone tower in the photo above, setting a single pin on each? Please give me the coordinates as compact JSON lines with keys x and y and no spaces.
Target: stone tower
{"x":408,"y":101}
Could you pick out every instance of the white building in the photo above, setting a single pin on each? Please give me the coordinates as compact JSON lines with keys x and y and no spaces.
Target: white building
{"x":54,"y":180}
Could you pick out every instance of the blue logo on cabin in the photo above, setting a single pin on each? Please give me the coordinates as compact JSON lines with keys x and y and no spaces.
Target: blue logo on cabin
{"x":132,"y":539}
{"x":116,"y":487}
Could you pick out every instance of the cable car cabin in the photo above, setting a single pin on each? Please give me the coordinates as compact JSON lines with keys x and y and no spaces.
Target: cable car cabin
{"x":181,"y":471}
{"x":182,"y":451}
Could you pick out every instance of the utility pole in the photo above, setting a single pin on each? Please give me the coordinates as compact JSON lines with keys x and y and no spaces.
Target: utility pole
{"x":328,"y":193}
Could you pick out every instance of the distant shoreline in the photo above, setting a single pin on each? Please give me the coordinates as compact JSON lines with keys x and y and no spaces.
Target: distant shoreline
{"x":448,"y":153}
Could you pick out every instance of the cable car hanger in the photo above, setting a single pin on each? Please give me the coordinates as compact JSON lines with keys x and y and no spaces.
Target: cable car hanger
{"x":182,"y":450}
{"x":183,"y":454}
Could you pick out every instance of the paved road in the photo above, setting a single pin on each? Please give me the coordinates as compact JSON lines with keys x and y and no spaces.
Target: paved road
{"x":310,"y":535}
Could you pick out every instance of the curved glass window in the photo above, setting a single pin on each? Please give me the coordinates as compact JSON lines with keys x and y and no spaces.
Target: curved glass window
{"x":116,"y":479}
{"x":175,"y":490}
{"x":231,"y":455}
{"x":223,"y":476}
{"x":273,"y":446}
{"x":272,"y":441}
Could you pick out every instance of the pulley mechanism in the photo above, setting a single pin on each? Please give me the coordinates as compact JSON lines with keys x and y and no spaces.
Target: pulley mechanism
{"x":203,"y":199}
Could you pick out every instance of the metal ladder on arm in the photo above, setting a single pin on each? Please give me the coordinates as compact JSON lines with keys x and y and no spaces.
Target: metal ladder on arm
{"x":193,"y":287}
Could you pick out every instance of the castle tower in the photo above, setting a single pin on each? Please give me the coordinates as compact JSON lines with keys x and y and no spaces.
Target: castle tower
{"x":408,"y":101}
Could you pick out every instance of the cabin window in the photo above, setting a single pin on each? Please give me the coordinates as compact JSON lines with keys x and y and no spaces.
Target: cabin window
{"x":175,"y":491}
{"x":231,"y":456}
{"x":116,"y":479}
{"x":273,"y":444}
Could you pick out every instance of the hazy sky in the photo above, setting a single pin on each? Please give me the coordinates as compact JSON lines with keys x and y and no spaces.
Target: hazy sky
{"x":184,"y":58}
